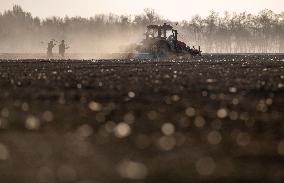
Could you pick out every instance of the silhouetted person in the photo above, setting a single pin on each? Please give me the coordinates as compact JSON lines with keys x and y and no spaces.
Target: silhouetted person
{"x":62,"y":48}
{"x":49,"y":49}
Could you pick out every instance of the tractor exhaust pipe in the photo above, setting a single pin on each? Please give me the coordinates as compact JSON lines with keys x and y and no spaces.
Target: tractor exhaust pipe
{"x":199,"y":50}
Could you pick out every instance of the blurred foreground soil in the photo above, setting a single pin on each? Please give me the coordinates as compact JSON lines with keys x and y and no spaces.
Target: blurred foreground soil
{"x":217,"y":118}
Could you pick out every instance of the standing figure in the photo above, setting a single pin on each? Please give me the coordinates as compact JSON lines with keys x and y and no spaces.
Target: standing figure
{"x":49,"y":49}
{"x":62,"y":48}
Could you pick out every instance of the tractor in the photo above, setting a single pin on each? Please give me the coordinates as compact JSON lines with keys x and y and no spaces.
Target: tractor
{"x":162,"y":42}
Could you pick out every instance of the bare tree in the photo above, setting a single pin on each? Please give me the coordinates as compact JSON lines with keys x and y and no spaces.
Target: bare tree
{"x":229,"y":33}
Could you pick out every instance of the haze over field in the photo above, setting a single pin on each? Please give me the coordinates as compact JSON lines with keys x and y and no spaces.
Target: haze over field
{"x":174,"y":10}
{"x":28,"y":30}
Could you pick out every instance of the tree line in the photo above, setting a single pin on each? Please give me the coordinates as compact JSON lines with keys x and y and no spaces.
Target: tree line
{"x":229,"y":33}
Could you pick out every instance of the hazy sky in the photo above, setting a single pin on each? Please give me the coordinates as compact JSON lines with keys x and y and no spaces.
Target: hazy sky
{"x":171,"y":9}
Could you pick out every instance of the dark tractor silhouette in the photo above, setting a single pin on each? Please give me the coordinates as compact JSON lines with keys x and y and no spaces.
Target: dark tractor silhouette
{"x":161,"y":41}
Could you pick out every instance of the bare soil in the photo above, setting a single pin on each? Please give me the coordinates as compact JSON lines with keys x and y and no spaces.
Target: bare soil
{"x":219,"y":118}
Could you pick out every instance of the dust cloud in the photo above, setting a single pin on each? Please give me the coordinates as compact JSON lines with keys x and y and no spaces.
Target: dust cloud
{"x":22,"y":33}
{"x":87,"y":37}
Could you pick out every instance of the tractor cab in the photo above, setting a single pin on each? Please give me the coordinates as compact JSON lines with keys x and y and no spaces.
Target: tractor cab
{"x":165,"y":32}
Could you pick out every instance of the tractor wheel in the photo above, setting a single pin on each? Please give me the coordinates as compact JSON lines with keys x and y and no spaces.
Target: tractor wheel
{"x":162,"y":50}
